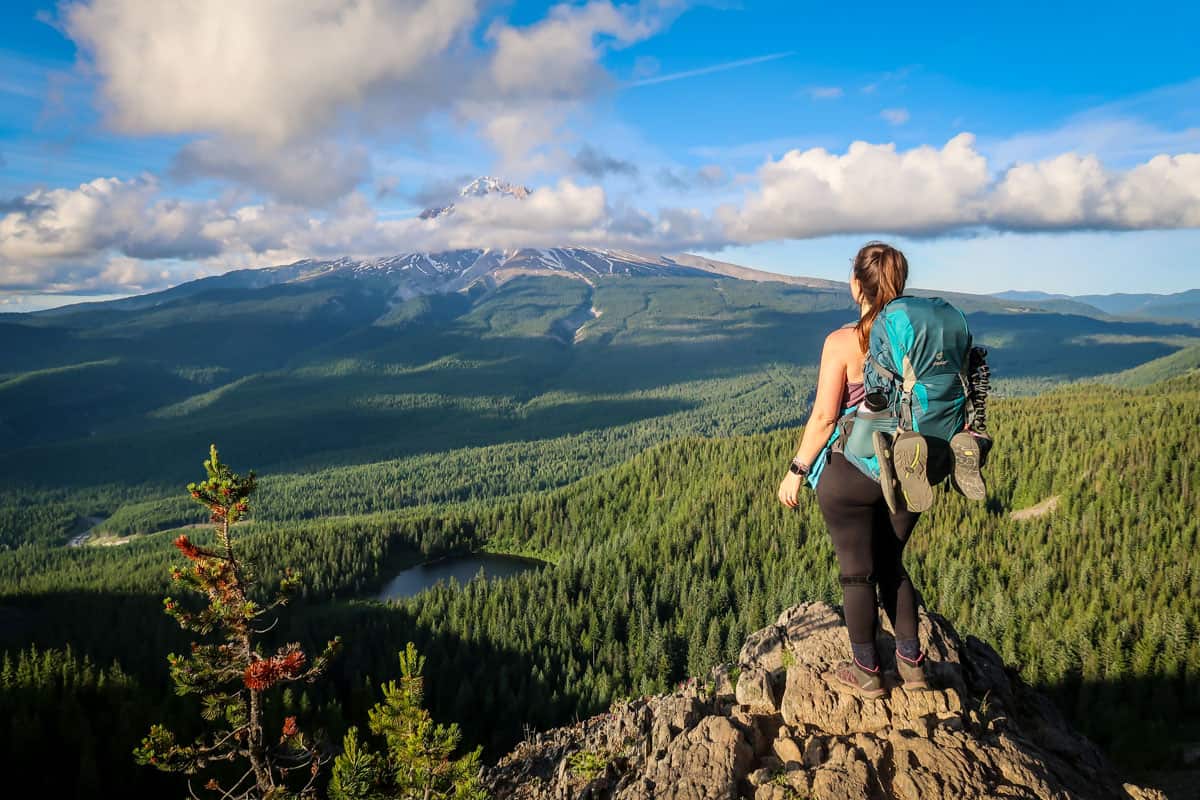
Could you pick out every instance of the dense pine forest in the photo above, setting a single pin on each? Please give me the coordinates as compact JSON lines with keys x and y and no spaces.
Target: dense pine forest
{"x":661,"y":565}
{"x":636,"y":454}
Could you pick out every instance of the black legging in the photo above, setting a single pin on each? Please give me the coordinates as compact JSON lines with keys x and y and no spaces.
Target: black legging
{"x":869,"y":541}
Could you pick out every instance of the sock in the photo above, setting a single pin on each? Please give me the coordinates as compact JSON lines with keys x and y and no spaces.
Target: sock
{"x":909,"y":650}
{"x":865,"y":655}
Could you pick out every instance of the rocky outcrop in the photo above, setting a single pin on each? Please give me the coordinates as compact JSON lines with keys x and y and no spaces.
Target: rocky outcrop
{"x":778,"y":725}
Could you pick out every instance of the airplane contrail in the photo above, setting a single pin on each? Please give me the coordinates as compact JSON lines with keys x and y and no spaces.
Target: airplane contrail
{"x":692,"y":73}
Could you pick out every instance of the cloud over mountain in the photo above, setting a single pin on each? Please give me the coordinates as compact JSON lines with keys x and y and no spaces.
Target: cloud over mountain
{"x":305,"y":128}
{"x":803,"y":194}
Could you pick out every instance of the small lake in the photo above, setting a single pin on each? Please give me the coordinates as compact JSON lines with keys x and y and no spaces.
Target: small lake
{"x":461,"y":568}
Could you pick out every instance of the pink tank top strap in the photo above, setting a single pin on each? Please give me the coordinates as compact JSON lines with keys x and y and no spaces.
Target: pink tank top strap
{"x":853,"y":394}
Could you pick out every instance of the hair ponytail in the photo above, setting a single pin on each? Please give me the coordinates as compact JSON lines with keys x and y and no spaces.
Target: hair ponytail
{"x":882,"y":272}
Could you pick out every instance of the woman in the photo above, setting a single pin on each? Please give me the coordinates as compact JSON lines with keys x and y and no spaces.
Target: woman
{"x":868,"y":539}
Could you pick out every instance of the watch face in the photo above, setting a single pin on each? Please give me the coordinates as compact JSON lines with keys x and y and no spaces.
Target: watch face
{"x":795,"y":469}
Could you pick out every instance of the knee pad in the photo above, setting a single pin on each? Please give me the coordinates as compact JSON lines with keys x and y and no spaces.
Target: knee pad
{"x":858,"y":580}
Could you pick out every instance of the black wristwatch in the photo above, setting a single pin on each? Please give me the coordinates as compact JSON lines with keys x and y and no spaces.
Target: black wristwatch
{"x":798,"y":467}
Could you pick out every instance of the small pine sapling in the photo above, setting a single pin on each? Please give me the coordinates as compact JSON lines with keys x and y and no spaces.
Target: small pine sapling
{"x":417,"y":763}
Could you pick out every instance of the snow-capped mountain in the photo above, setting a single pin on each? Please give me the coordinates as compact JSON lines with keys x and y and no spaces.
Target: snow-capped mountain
{"x":480,"y":187}
{"x":408,"y":275}
{"x":414,"y":274}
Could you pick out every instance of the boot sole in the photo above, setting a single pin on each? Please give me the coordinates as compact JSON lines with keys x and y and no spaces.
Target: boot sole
{"x":910,"y":458}
{"x":967,"y":457}
{"x":887,"y":477}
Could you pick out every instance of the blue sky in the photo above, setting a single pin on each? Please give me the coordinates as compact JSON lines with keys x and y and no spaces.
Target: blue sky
{"x":1026,"y":147}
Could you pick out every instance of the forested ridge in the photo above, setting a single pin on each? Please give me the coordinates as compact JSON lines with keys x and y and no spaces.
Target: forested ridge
{"x":662,"y":564}
{"x":445,"y":398}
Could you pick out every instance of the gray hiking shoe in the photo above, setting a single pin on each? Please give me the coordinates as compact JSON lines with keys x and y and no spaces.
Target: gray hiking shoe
{"x":865,"y":683}
{"x":969,"y":453}
{"x":887,"y":476}
{"x":912,"y":674}
{"x":910,"y":459}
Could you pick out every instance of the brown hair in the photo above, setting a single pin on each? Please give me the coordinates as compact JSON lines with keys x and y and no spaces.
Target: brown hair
{"x":882,"y":271}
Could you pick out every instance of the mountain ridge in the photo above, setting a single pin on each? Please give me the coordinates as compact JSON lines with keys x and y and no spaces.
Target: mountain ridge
{"x":410,"y":275}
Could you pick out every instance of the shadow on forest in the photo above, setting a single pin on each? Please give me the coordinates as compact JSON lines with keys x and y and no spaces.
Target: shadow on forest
{"x":167,"y":455}
{"x":491,"y":690}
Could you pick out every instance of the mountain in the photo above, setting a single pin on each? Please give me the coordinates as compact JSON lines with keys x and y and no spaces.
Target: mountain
{"x":408,"y":275}
{"x":1178,"y":306}
{"x":778,"y":725}
{"x":424,"y":358}
{"x":480,"y":187}
{"x":1033,"y":295}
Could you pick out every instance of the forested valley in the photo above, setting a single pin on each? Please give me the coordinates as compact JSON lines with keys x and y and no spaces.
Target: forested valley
{"x":640,"y":462}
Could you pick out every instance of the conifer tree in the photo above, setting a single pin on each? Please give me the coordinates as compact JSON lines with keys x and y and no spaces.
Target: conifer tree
{"x":234,"y":675}
{"x":417,"y":764}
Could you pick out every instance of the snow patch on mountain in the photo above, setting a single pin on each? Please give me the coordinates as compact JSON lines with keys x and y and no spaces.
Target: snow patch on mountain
{"x":485,"y":186}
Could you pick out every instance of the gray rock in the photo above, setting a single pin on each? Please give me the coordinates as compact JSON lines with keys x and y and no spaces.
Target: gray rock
{"x":756,"y":690}
{"x":789,"y":729}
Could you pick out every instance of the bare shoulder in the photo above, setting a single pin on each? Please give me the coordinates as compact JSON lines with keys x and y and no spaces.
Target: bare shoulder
{"x":842,"y":340}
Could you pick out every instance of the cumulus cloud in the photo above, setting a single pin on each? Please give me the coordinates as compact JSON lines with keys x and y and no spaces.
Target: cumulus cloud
{"x":104,"y":214}
{"x":538,"y":75}
{"x":279,"y":89}
{"x":312,"y":174}
{"x":269,"y":70}
{"x":871,"y":187}
{"x":1074,"y":192}
{"x":930,"y":191}
{"x":112,"y":234}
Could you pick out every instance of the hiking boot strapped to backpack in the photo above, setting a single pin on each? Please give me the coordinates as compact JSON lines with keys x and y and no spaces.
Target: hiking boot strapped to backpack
{"x":917,"y":375}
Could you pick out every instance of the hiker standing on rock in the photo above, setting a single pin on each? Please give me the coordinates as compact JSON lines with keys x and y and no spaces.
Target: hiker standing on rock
{"x":868,"y":537}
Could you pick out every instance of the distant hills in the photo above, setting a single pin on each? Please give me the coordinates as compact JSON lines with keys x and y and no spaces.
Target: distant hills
{"x":558,"y":358}
{"x":1178,"y":306}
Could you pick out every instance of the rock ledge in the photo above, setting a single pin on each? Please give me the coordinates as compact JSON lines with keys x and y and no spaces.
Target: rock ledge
{"x":777,"y":726}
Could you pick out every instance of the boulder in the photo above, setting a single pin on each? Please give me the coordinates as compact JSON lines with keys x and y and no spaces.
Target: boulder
{"x":788,"y":729}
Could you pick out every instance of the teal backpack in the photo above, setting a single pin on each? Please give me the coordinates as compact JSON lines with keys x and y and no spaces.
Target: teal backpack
{"x":917,"y":362}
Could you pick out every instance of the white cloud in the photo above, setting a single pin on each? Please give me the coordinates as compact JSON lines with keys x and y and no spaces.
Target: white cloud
{"x":278,"y":88}
{"x":927,"y":191}
{"x":871,"y":187}
{"x":268,"y":70}
{"x":311,"y":174}
{"x":104,"y":214}
{"x":895,"y":116}
{"x":111,"y":234}
{"x":1077,"y":192}
{"x":539,"y":75}
{"x":559,"y":55}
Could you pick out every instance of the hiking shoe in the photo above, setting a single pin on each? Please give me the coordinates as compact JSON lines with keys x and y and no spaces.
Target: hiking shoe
{"x":968,"y":452}
{"x":912,"y":674}
{"x":887,"y":475}
{"x":863,"y":681}
{"x":910,"y":459}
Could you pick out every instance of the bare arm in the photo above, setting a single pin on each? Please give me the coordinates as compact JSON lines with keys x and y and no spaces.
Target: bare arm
{"x":826,"y":408}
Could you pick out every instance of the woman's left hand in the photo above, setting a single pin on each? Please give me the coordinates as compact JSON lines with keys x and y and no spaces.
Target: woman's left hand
{"x":789,"y":489}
